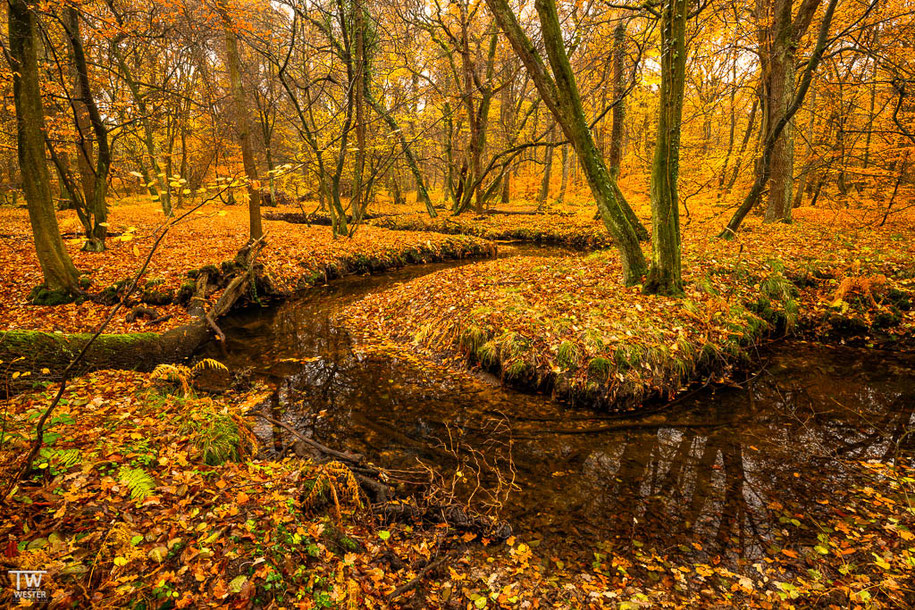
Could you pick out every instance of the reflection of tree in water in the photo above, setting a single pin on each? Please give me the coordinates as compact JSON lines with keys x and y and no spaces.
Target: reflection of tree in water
{"x":726,"y":474}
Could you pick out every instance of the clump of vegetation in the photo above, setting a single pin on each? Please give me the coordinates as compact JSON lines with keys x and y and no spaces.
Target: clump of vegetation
{"x":183,"y":375}
{"x":219,"y":436}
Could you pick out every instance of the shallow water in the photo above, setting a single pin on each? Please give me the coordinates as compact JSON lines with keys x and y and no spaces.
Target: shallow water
{"x":720,"y":472}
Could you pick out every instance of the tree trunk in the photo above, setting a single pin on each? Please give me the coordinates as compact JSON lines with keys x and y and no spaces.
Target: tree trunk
{"x":763,"y":167}
{"x":56,"y":266}
{"x":779,"y":42}
{"x":615,"y":157}
{"x":781,"y":90}
{"x":564,"y":185}
{"x":547,"y":173}
{"x":97,"y":184}
{"x":560,"y":93}
{"x":422,"y":193}
{"x":664,"y":275}
{"x":242,"y":122}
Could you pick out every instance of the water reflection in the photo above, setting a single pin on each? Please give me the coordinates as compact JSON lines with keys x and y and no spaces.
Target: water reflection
{"x":722,"y":473}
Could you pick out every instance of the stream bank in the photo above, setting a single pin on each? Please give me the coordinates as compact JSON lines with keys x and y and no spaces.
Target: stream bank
{"x":33,"y":355}
{"x":810,"y":408}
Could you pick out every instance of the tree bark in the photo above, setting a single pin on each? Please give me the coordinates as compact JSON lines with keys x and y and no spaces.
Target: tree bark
{"x":95,"y":183}
{"x":560,"y":93}
{"x":763,"y":167}
{"x":56,"y":266}
{"x":779,"y":42}
{"x":242,"y":128}
{"x":664,"y":276}
{"x":615,"y":156}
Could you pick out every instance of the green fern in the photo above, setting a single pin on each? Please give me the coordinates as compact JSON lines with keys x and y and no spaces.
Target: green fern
{"x":138,"y":481}
{"x":58,"y":460}
{"x":216,"y":435}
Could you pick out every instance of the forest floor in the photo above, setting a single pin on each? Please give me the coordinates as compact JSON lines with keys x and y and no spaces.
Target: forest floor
{"x":294,"y":257}
{"x":150,"y":493}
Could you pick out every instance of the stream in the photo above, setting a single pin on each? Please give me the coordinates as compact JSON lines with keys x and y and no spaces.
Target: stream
{"x":720,"y":472}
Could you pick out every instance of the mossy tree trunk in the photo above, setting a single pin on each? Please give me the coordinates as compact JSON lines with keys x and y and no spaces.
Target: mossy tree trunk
{"x":559,"y":90}
{"x":664,"y":276}
{"x":56,"y":266}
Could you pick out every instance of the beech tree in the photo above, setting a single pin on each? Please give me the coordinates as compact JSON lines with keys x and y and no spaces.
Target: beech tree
{"x":60,"y":276}
{"x":559,"y":90}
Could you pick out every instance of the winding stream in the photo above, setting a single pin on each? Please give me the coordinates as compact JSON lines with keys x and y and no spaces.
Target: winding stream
{"x":714,"y":474}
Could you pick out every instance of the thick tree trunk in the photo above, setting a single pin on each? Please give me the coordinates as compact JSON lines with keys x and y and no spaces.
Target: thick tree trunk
{"x":779,"y":41}
{"x":56,"y":266}
{"x":664,"y":276}
{"x":763,"y":167}
{"x":781,"y":91}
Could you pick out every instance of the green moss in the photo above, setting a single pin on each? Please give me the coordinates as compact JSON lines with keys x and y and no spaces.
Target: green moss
{"x":40,"y":295}
{"x":472,"y":338}
{"x":567,"y":355}
{"x":600,"y":368}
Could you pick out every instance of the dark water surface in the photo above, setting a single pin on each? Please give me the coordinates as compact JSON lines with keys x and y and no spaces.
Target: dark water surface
{"x":721,"y":472}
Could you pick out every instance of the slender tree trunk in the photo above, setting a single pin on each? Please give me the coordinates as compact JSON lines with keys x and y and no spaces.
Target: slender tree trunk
{"x":547,"y":172}
{"x":615,"y":157}
{"x":733,"y":126}
{"x":96,"y":204}
{"x":422,"y":193}
{"x":242,"y":123}
{"x":664,"y":276}
{"x":56,"y":266}
{"x":563,"y":186}
{"x":358,"y":203}
{"x":738,"y":163}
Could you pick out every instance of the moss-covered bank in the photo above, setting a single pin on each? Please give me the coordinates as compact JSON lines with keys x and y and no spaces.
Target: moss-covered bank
{"x":569,"y":230}
{"x":566,"y":326}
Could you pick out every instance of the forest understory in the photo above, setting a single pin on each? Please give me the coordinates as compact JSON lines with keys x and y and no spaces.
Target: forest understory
{"x":457,"y":304}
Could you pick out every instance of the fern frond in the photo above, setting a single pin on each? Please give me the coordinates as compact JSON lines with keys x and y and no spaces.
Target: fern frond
{"x":333,"y":481}
{"x":60,"y":458}
{"x":209,"y":363}
{"x":138,"y":481}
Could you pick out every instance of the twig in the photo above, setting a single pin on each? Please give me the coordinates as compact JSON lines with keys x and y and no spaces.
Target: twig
{"x":419,"y":577}
{"x":342,"y":455}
